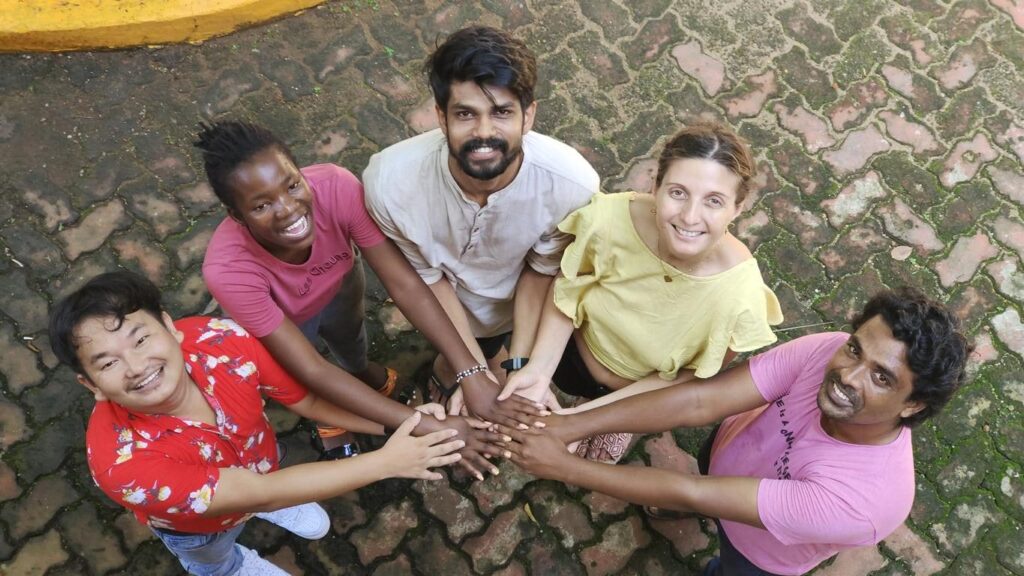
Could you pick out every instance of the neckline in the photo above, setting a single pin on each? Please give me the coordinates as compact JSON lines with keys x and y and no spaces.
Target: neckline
{"x":668,"y":267}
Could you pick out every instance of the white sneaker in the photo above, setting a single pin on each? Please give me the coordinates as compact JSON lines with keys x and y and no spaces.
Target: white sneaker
{"x":254,"y":565}
{"x":307,"y":520}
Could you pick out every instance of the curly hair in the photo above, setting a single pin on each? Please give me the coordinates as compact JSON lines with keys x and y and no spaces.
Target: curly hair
{"x":710,"y":141}
{"x":486,"y":56}
{"x":937,"y":350}
{"x":227,"y":144}
{"x":109,"y":295}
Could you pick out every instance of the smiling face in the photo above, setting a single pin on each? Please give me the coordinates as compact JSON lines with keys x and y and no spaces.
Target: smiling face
{"x":695,"y":203}
{"x":867,"y":384}
{"x":138,"y":364}
{"x":273,"y":200}
{"x":485,"y":138}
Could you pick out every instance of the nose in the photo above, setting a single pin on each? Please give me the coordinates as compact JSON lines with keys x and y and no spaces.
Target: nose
{"x":285,"y":205}
{"x":851,"y":375}
{"x":691,"y":211}
{"x":484,"y":127}
{"x":135,"y":364}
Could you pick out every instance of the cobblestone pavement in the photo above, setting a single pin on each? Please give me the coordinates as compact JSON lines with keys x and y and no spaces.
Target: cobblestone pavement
{"x":890,"y":137}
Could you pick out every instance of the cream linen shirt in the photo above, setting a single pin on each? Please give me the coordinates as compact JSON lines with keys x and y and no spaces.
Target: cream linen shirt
{"x":411,"y":193}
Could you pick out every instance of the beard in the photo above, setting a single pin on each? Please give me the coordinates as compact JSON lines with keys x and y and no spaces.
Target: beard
{"x":491,"y":169}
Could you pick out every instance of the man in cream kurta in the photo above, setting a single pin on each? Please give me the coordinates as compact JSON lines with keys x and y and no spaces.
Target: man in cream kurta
{"x":475,"y":205}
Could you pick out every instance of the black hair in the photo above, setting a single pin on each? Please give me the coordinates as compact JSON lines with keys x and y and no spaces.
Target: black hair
{"x":486,"y":56}
{"x":937,"y":350}
{"x":226,"y":144}
{"x":110,"y":295}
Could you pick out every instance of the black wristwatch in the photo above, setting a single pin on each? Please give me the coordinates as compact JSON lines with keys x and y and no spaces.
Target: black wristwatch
{"x":513,"y":364}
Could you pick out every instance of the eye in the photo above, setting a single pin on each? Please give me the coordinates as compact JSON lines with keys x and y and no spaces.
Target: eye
{"x":294,"y":186}
{"x":141,"y":340}
{"x":851,"y":348}
{"x":676,"y":193}
{"x":715,"y":202}
{"x":463,"y":115}
{"x":261,"y":208}
{"x":107,"y":364}
{"x":503,"y":112}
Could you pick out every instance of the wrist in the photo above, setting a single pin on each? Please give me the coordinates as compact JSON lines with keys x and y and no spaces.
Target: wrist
{"x":515,"y":363}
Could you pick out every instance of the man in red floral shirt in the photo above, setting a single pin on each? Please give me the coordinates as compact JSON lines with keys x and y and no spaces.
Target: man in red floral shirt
{"x":179,"y":436}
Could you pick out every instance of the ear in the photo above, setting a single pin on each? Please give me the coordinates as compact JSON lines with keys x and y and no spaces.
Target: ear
{"x":234,"y":214}
{"x":911,"y":408}
{"x":96,"y":393}
{"x":528,"y":117}
{"x":169,"y":324}
{"x":442,"y":119}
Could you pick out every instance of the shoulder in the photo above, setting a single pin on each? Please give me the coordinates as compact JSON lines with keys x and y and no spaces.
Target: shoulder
{"x":407,"y":153}
{"x":329,"y":176}
{"x":204,"y":332}
{"x":560,"y":161}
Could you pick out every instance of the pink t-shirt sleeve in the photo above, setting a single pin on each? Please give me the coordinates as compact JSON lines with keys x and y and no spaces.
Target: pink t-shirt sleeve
{"x":241,"y":288}
{"x":342,"y":189}
{"x":809,"y":512}
{"x":775,"y":371}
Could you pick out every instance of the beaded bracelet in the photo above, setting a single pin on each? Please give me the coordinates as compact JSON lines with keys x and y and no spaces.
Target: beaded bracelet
{"x":469,"y":372}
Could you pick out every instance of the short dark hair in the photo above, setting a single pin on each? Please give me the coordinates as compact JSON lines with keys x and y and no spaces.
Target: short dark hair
{"x":710,"y":141}
{"x":226,"y":144}
{"x":109,"y":295}
{"x":486,"y":56}
{"x":937,"y":350}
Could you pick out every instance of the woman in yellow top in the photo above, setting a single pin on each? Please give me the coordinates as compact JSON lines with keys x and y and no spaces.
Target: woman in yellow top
{"x":654,"y":290}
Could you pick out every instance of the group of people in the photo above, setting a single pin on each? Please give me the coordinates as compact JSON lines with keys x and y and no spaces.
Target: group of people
{"x":497,"y":244}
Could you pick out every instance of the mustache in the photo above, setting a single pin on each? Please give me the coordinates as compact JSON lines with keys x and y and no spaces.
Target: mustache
{"x":471,"y":145}
{"x":833,"y":376}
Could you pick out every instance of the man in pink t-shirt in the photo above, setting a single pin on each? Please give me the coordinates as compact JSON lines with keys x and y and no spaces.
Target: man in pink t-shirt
{"x":814,"y":454}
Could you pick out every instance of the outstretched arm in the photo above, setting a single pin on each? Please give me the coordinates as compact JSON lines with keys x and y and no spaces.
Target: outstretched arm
{"x":404,"y":456}
{"x":531,"y":291}
{"x":540,"y":453}
{"x":553,"y":334}
{"x":690,"y":404}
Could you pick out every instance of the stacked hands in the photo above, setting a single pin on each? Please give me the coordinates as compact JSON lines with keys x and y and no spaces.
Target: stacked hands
{"x":509,"y":425}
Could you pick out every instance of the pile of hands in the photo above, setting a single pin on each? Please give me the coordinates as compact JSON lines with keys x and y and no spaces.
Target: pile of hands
{"x":521,"y":422}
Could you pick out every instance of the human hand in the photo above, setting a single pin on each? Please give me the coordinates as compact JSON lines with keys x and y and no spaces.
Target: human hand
{"x":485,"y":380}
{"x":538,"y":452}
{"x":412,"y":457}
{"x":481,"y":443}
{"x":531,"y":384}
{"x":432,"y":409}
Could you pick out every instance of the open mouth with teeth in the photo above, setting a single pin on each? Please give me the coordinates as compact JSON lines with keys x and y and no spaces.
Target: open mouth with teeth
{"x":297,"y":229}
{"x":149,"y":382}
{"x":687,"y":234}
{"x":838,"y":396}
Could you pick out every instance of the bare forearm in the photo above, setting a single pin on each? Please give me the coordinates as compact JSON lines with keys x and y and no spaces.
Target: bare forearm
{"x":324,"y":412}
{"x":553,"y":334}
{"x":648,"y":384}
{"x":729,"y":498}
{"x":241,"y":490}
{"x":531,"y":291}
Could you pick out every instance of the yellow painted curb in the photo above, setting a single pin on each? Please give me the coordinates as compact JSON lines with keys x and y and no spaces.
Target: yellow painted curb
{"x":57,"y":25}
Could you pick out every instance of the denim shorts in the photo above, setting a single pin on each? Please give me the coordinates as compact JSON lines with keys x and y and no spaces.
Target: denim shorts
{"x":205,"y":554}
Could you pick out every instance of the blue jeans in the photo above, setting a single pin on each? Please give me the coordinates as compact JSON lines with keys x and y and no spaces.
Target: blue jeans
{"x":341,"y":324}
{"x":205,"y":554}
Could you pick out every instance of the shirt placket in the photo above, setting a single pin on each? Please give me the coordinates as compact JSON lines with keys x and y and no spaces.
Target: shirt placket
{"x":478,"y":218}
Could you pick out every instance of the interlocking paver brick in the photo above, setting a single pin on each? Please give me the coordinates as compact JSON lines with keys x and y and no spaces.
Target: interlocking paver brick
{"x":452,"y":508}
{"x":86,"y":536}
{"x":1009,"y":278}
{"x":750,"y":97}
{"x":961,"y":20}
{"x":816,"y":35}
{"x":965,"y":160}
{"x":93,"y":229}
{"x":860,"y":99}
{"x":811,"y":129}
{"x":967,"y":522}
{"x":796,"y":70}
{"x":963,"y":65}
{"x":652,"y":40}
{"x":12,"y":424}
{"x":854,"y":199}
{"x":433,"y":556}
{"x":705,"y":68}
{"x":855,"y":150}
{"x":904,"y":32}
{"x":501,"y":489}
{"x":37,"y":556}
{"x":606,"y":66}
{"x":976,"y":301}
{"x":900,"y":221}
{"x":922,"y":91}
{"x":17,"y":363}
{"x":9,"y":488}
{"x":965,"y":258}
{"x":35,"y":509}
{"x":34,"y":250}
{"x":793,"y":164}
{"x":613,"y":19}
{"x":494,"y":547}
{"x":1010,"y":330}
{"x":863,"y":560}
{"x":915,"y":551}
{"x":902,"y":128}
{"x":860,"y":57}
{"x":807,"y":225}
{"x":385,"y":532}
{"x":21,"y":301}
{"x":618,"y":543}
